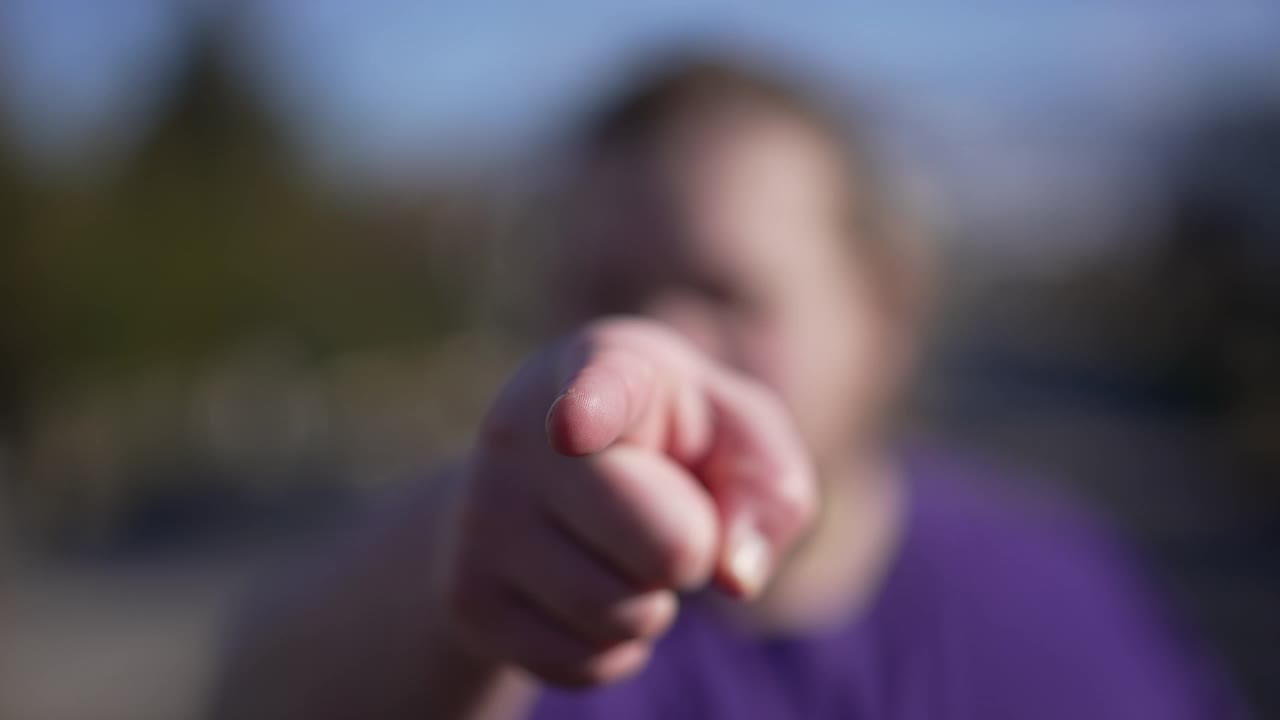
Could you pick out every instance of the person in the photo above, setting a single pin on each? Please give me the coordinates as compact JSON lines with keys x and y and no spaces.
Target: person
{"x":692,"y":505}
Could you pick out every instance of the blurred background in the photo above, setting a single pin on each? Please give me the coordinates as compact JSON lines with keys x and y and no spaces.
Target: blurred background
{"x":252,"y":268}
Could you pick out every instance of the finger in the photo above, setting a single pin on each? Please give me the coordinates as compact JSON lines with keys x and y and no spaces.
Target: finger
{"x":605,"y":397}
{"x":568,"y":582}
{"x":759,"y":473}
{"x":641,"y":512}
{"x":632,"y":380}
{"x":507,"y":625}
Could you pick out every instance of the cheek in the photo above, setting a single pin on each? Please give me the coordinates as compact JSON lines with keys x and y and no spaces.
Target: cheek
{"x":816,"y":361}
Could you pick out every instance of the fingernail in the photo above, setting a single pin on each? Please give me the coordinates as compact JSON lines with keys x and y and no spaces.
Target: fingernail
{"x":750,"y":559}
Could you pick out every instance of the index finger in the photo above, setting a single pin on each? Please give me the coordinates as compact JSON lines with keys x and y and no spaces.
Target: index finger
{"x":605,"y":397}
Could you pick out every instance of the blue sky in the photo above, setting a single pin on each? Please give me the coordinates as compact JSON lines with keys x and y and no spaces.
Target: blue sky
{"x":380,"y":77}
{"x":379,"y":88}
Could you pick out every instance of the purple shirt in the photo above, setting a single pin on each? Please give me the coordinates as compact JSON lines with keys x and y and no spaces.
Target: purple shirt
{"x":993,"y":609}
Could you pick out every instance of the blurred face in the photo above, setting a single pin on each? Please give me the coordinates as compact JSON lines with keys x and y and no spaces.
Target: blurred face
{"x":730,"y":229}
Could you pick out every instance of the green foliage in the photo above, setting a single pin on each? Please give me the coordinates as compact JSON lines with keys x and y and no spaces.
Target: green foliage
{"x":137,"y":306}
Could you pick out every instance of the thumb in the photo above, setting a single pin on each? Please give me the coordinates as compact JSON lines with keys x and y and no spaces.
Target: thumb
{"x":759,"y":473}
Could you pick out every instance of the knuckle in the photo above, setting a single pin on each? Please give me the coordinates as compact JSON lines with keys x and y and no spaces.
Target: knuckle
{"x":625,"y":626}
{"x":680,"y":561}
{"x":643,"y":617}
{"x":620,"y":617}
{"x":671,"y":562}
{"x":796,"y":501}
{"x":589,"y":671}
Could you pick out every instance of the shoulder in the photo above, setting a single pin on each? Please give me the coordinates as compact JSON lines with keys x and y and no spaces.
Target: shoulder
{"x":981,"y":525}
{"x":1045,"y":600}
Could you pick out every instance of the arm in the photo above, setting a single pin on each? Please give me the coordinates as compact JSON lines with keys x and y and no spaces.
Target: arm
{"x":614,"y":469}
{"x":352,"y":628}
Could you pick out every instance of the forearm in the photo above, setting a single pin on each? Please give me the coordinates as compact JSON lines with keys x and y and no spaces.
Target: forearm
{"x":353,"y":631}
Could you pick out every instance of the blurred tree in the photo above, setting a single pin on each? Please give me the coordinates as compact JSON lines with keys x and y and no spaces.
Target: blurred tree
{"x":1225,"y":244}
{"x":13,"y":226}
{"x":123,"y":296}
{"x":158,"y":261}
{"x":208,"y":236}
{"x":1219,"y":266}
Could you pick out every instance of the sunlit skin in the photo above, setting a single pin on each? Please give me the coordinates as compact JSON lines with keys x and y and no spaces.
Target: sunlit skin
{"x":710,"y":419}
{"x":744,"y":354}
{"x":734,"y":230}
